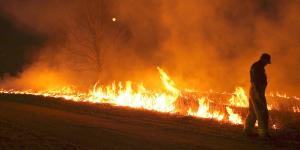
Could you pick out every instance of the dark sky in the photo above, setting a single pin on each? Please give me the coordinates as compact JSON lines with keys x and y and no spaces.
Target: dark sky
{"x":16,"y":45}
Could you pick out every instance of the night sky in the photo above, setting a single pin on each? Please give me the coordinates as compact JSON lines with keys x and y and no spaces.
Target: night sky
{"x":16,"y":46}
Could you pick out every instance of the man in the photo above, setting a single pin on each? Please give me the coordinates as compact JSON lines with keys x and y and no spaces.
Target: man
{"x":257,"y":100}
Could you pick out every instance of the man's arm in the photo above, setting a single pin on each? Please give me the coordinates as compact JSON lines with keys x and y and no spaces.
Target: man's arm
{"x":256,"y":79}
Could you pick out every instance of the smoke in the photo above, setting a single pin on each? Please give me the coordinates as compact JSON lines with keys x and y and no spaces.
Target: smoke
{"x":201,"y":44}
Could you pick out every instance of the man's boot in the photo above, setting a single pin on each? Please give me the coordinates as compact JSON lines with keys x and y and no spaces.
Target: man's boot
{"x":250,"y":132}
{"x":264,"y":134}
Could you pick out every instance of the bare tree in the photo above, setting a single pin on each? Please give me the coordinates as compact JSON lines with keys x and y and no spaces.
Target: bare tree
{"x":93,"y":32}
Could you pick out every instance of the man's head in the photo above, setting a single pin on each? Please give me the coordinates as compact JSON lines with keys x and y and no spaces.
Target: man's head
{"x":265,"y":58}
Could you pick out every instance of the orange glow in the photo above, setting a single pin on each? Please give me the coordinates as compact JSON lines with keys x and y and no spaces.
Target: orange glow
{"x":233,"y":117}
{"x":239,"y":98}
{"x":171,"y":100}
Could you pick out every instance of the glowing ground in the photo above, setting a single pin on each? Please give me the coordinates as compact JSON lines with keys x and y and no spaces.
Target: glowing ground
{"x":37,"y":122}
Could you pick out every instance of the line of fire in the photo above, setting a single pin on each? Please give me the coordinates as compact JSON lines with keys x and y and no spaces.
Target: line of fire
{"x":159,"y":74}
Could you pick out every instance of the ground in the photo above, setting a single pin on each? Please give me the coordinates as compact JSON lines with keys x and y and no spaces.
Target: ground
{"x":33,"y":122}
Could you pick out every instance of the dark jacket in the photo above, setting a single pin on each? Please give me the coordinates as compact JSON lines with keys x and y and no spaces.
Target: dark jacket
{"x":258,"y":77}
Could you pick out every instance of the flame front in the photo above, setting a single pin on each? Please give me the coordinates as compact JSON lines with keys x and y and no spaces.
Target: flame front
{"x":171,"y":100}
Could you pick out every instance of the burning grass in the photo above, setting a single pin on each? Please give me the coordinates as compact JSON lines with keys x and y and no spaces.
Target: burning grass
{"x":222,"y":107}
{"x":163,"y":125}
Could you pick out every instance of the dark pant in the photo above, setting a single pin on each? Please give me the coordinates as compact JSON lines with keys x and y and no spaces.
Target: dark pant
{"x":257,"y":111}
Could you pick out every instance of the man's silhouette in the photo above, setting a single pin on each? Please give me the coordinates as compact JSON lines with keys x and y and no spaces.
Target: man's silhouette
{"x":257,"y":100}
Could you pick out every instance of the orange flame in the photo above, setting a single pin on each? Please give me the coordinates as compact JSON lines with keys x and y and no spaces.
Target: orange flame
{"x":239,"y":98}
{"x":137,"y":96}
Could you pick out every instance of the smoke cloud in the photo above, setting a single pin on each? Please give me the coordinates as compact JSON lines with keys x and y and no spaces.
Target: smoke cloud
{"x":201,"y":44}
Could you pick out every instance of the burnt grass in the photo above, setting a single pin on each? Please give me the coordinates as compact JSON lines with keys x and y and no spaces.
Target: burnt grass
{"x":287,"y":135}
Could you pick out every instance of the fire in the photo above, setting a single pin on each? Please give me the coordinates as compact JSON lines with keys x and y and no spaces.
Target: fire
{"x":233,"y":117}
{"x":171,"y":100}
{"x":239,"y":98}
{"x":284,"y":95}
{"x":168,"y":83}
{"x":203,"y":111}
{"x":296,"y":109}
{"x":126,"y":95}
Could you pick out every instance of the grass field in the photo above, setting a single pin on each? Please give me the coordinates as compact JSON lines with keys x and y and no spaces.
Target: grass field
{"x":36,"y":122}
